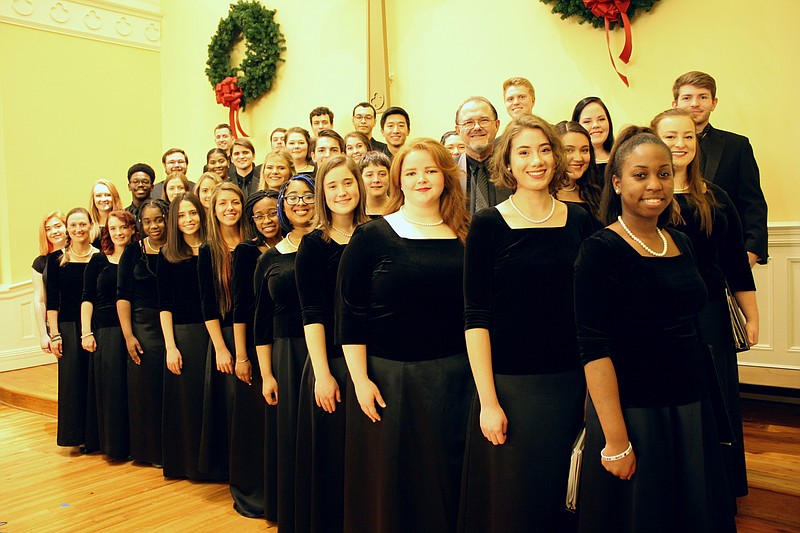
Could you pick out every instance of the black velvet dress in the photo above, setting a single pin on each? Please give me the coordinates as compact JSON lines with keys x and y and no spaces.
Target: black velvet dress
{"x":109,"y":361}
{"x":182,"y":423}
{"x":137,"y":283}
{"x":64,"y":290}
{"x":247,"y":424}
{"x":518,"y":286}
{"x":641,"y":313}
{"x":721,"y":257}
{"x":320,"y":435}
{"x":278,"y":322}
{"x":403,"y":299}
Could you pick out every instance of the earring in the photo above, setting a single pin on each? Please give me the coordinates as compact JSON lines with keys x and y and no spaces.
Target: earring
{"x":616,"y":191}
{"x":509,"y":169}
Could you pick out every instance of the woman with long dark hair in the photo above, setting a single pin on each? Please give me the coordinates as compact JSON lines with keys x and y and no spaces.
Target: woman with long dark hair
{"x":65,"y":269}
{"x":138,"y":310}
{"x":298,"y":142}
{"x":585,"y":183}
{"x":399,"y":319}
{"x":217,"y":162}
{"x":280,"y":345}
{"x":593,"y":115}
{"x":102,"y":337}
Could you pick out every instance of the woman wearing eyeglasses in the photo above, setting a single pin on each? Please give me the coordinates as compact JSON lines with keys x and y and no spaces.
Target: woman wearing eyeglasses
{"x":280,"y":345}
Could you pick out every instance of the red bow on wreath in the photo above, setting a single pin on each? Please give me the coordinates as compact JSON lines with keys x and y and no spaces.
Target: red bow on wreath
{"x":612,"y":11}
{"x":230,"y":95}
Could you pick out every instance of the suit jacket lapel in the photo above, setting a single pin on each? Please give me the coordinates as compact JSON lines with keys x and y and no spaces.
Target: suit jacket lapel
{"x":712,"y":147}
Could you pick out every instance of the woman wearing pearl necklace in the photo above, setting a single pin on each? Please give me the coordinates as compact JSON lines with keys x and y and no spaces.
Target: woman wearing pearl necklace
{"x":65,"y":269}
{"x":399,"y":319}
{"x":520,"y":332}
{"x":280,"y":345}
{"x":652,"y":460}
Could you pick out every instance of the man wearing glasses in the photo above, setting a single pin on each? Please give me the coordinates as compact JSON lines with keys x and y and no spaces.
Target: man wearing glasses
{"x":140,"y":182}
{"x":174,"y":160}
{"x":477,"y":125}
{"x":364,"y":121}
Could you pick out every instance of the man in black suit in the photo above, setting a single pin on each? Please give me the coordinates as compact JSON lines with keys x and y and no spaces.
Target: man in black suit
{"x":477,"y":125}
{"x":726,"y":159}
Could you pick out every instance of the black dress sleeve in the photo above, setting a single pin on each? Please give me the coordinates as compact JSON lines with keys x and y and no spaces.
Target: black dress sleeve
{"x":125,"y":283}
{"x":39,"y":264}
{"x":732,"y":253}
{"x":52,"y":284}
{"x":243,"y":266}
{"x":90,"y":275}
{"x":208,"y":294}
{"x":166,"y":299}
{"x":353,"y":284}
{"x":478,"y":266}
{"x":310,"y":275}
{"x":263,"y":326}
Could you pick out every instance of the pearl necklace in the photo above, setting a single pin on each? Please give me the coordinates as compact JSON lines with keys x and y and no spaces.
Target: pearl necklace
{"x":150,"y":246}
{"x":641,"y":243}
{"x":681,"y":189}
{"x":79,"y":256}
{"x":337,"y":230}
{"x":291,"y":244}
{"x":532,"y":221}
{"x":430,"y":224}
{"x":575,"y":186}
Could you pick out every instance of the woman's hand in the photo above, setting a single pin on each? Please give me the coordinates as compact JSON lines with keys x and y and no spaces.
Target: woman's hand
{"x":224,"y":360}
{"x":270,"y":390}
{"x":326,"y":392}
{"x":56,"y":348}
{"x":368,"y":394}
{"x":751,"y":328}
{"x":622,"y":468}
{"x":174,"y":361}
{"x":494,"y":424}
{"x":88,"y":343}
{"x":44,"y":343}
{"x":134,"y":349}
{"x":244,"y":370}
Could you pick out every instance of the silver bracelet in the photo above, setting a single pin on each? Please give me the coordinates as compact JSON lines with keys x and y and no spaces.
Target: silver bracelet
{"x":617,"y":457}
{"x":90,"y":334}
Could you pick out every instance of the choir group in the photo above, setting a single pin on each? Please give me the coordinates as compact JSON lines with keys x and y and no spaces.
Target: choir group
{"x":410,"y":338}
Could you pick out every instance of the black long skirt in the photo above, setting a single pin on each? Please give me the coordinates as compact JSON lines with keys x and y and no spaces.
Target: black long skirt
{"x":217,"y":412}
{"x":288,"y":357}
{"x":270,"y":462}
{"x":679,"y":484}
{"x":73,"y":382}
{"x":247,"y":443}
{"x":404,"y":472}
{"x":145,"y":388}
{"x":182,"y":421}
{"x":111,"y":389}
{"x":320,"y":456}
{"x":521,"y":485}
{"x":715,"y":330}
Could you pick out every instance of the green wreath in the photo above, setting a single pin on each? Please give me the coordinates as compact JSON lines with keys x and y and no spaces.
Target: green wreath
{"x":248,"y":20}
{"x":576,"y":8}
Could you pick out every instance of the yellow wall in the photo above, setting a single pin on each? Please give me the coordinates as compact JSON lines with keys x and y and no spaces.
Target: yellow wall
{"x":439,"y":53}
{"x":73,"y":110}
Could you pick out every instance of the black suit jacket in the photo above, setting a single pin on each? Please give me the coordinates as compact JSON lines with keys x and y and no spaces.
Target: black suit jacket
{"x":496,"y":195}
{"x":729,"y":162}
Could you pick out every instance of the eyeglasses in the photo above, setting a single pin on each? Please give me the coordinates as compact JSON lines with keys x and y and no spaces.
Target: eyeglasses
{"x":363,"y":118}
{"x":294,"y":199}
{"x":482,"y":122}
{"x":269,"y":214}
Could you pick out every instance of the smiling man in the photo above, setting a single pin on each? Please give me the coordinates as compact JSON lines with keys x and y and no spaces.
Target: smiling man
{"x":140,"y":182}
{"x":477,"y":125}
{"x":727,"y":159}
{"x":320,"y":118}
{"x":364,"y":121}
{"x":223,"y":137}
{"x":519,"y":96}
{"x":395,"y":127}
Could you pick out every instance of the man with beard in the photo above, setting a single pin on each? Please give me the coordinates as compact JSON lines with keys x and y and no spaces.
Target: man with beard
{"x":140,"y":182}
{"x":477,"y":125}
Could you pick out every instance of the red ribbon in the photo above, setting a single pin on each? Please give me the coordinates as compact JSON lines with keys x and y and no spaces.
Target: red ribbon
{"x":230,"y":95}
{"x":613,"y":11}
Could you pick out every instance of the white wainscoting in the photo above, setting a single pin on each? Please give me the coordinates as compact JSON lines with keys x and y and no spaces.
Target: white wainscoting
{"x":774,"y":361}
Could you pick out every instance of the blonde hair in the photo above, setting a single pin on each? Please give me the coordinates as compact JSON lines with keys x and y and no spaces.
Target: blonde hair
{"x":45,"y":246}
{"x":284,"y":154}
{"x":74,"y":211}
{"x":321,"y":209}
{"x":116,"y":203}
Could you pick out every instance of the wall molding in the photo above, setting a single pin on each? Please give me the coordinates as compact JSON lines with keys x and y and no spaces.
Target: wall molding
{"x":135,"y":23}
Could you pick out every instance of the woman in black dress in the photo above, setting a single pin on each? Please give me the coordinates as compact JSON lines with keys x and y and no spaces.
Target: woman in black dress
{"x":276,"y":170}
{"x":64,"y":285}
{"x":652,"y":460}
{"x":102,"y":337}
{"x":399,"y":319}
{"x":104,"y":199}
{"x":585,"y":183}
{"x":224,"y":232}
{"x":520,"y":331}
{"x":52,"y":237}
{"x":205,"y":187}
{"x":261,"y":231}
{"x":176,"y":183}
{"x":217,"y":162}
{"x":279,"y":340}
{"x":710,"y":220}
{"x":593,"y":115}
{"x":321,"y":419}
{"x":137,"y":307}
{"x":185,"y":339}
{"x":374,"y":167}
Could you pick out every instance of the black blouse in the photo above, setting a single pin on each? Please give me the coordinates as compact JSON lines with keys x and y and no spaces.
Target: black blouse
{"x":596,"y":224}
{"x":316,"y":266}
{"x":243,"y":267}
{"x":64,"y":287}
{"x":208,"y":291}
{"x":402,"y":298}
{"x":39,"y":264}
{"x":722,"y":255}
{"x":641,"y":312}
{"x":277,"y":303}
{"x":137,"y":282}
{"x":179,"y":290}
{"x":100,"y":288}
{"x":518,"y":285}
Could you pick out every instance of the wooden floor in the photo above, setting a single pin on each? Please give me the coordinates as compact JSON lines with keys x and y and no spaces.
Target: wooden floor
{"x":45,"y":488}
